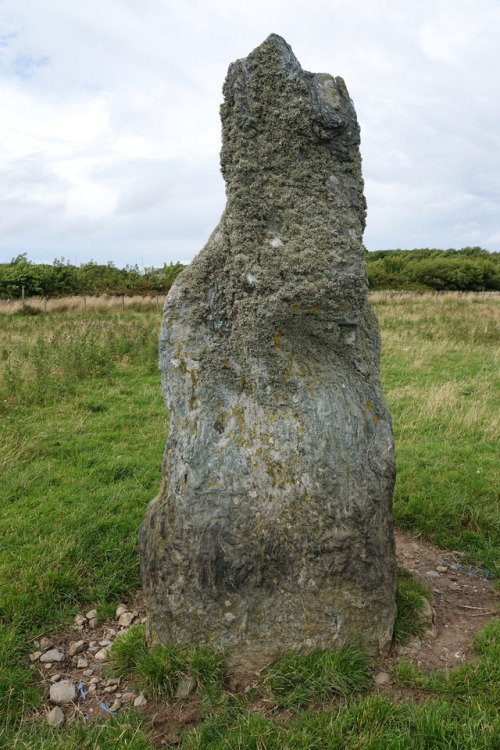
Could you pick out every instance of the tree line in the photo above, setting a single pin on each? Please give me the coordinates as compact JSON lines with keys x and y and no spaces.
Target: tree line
{"x":471,"y":269}
{"x":62,"y":279}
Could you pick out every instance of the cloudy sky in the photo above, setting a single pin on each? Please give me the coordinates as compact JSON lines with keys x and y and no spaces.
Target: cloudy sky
{"x":109,"y":118}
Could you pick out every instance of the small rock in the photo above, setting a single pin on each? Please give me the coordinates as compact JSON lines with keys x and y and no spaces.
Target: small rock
{"x":382,"y":678}
{"x":144,"y":620}
{"x":121,"y":610}
{"x":93,"y":623}
{"x":110,"y":689}
{"x":141,"y":700}
{"x":113,"y":681}
{"x":91,"y":615}
{"x":116,"y":705}
{"x":78,"y":627}
{"x":55,"y":678}
{"x":185,"y":687}
{"x":62,"y":692}
{"x":127,"y":697}
{"x":105,"y":642}
{"x":94,"y":680}
{"x":101,"y":655}
{"x":55,"y":718}
{"x":53,"y":655}
{"x":126,"y":619}
{"x":432,"y":574}
{"x":35,"y":656}
{"x":82,"y":664}
{"x":80,"y":620}
{"x":441,"y":568}
{"x":118,"y":695}
{"x":92,"y":688}
{"x":76,"y":648}
{"x":48,"y":665}
{"x":46,"y":643}
{"x":415,"y":644}
{"x":409,"y":650}
{"x":427,"y":615}
{"x":88,"y":672}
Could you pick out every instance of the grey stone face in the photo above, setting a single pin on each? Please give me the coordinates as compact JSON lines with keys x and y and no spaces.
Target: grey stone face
{"x":272,"y":530}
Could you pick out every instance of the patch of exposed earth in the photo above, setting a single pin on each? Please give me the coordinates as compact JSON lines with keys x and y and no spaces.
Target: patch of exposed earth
{"x":464,"y":601}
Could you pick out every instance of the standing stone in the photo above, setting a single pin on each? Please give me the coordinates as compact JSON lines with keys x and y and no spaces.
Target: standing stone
{"x":272,"y":530}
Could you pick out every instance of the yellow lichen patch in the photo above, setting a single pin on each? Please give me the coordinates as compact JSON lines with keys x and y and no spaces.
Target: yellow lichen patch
{"x":277,"y":339}
{"x":369,"y":405}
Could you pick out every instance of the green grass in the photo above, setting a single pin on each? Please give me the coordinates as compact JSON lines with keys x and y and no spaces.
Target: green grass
{"x":372,"y":723}
{"x":296,"y":681}
{"x":409,"y":598}
{"x":83,"y":428}
{"x":440,"y":372}
{"x":82,"y":435}
{"x":160,"y":670}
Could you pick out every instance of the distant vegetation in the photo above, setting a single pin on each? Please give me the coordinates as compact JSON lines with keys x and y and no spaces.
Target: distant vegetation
{"x":470,"y":269}
{"x":61,"y":279}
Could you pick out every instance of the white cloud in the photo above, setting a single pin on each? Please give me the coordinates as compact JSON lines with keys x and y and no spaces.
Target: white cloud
{"x":109,"y":123}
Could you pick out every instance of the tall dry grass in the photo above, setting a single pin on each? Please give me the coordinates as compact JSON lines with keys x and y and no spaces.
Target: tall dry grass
{"x":111,"y":303}
{"x":92,"y":304}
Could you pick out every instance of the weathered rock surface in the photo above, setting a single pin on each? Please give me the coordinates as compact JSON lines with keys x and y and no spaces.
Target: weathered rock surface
{"x":62,"y":692}
{"x":55,"y":717}
{"x":53,"y":655}
{"x":272,"y":530}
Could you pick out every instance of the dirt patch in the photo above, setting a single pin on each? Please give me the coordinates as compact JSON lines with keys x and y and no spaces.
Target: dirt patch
{"x":168,"y":721}
{"x":463,"y":597}
{"x":80,"y":656}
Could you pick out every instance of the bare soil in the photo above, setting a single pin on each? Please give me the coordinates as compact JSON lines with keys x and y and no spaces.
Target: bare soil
{"x":464,"y":598}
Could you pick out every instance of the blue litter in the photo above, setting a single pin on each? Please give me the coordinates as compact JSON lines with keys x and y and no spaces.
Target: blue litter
{"x":105,"y":708}
{"x":81,"y":692}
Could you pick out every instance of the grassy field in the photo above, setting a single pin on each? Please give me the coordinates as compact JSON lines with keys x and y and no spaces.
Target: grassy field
{"x":83,"y":428}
